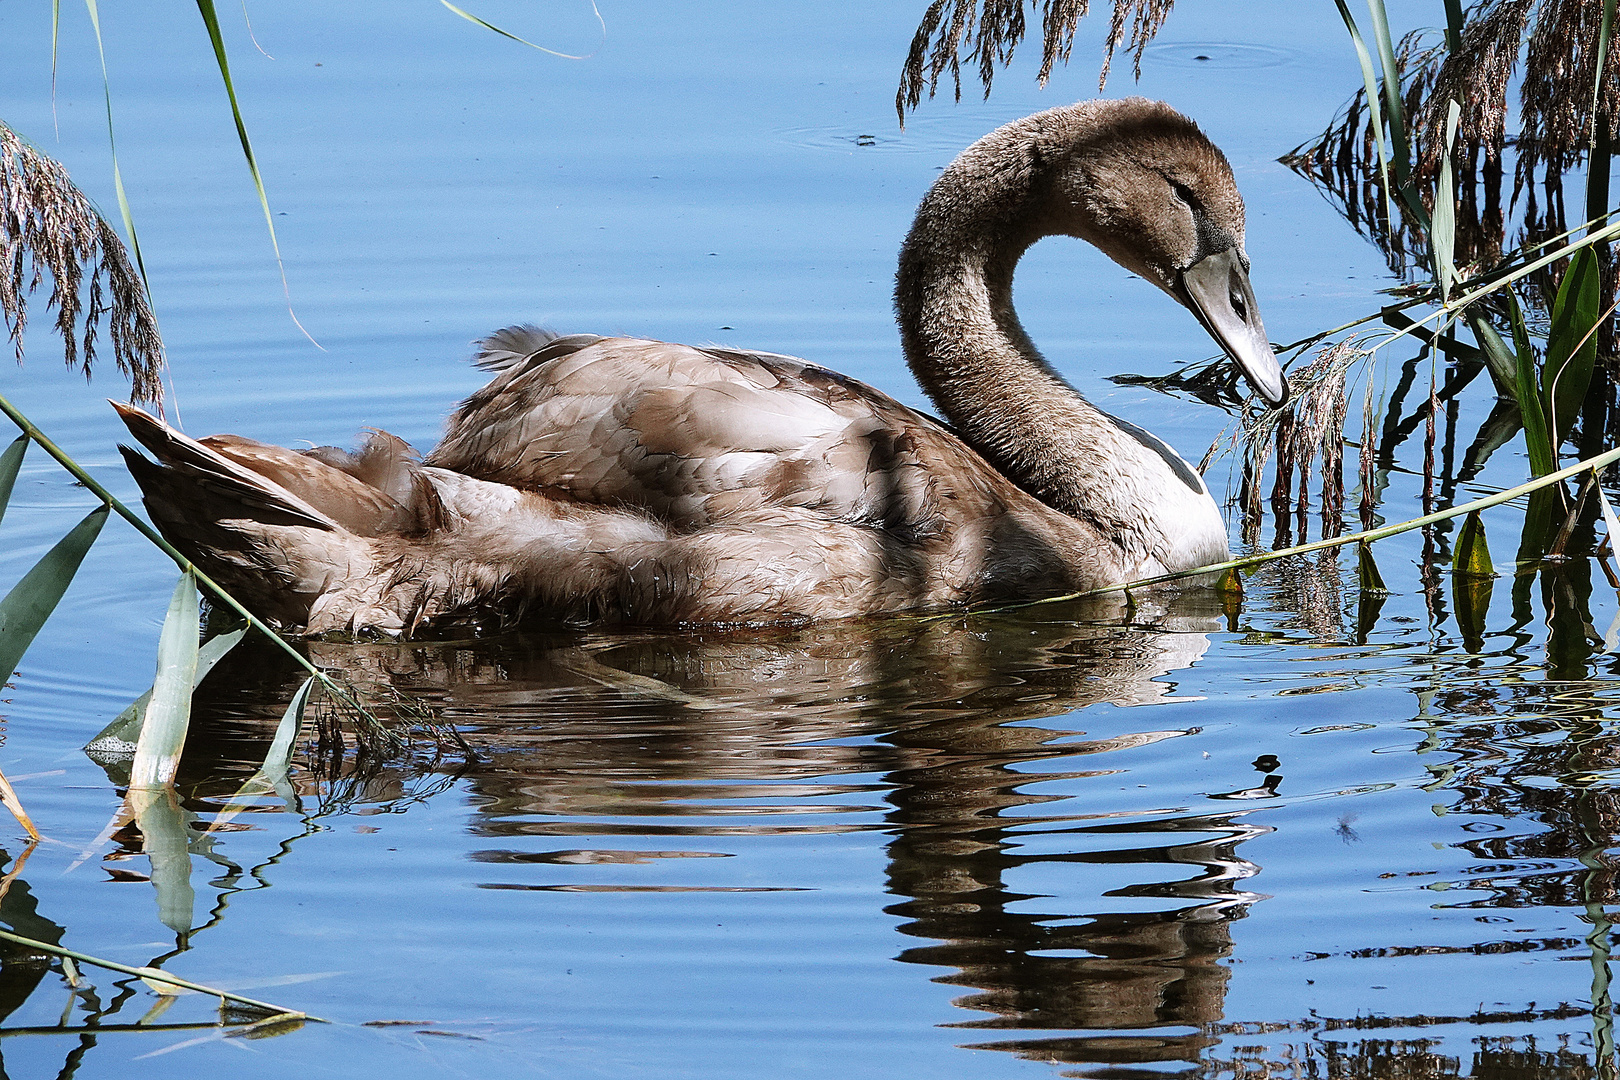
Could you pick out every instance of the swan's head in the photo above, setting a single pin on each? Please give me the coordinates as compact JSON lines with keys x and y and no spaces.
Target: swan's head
{"x":1141,"y":182}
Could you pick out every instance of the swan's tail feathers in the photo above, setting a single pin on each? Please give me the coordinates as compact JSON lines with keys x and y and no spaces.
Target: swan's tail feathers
{"x":285,"y":531}
{"x":217,"y":480}
{"x":510,"y":346}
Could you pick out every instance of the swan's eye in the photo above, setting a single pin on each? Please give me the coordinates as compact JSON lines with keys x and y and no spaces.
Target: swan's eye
{"x":1184,"y":193}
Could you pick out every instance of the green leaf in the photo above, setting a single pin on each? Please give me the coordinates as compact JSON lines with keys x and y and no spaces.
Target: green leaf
{"x":1609,"y":522}
{"x":1498,"y":360}
{"x":1472,"y":557}
{"x":112,"y":144}
{"x":10,"y":462}
{"x":120,"y":736}
{"x":31,"y":601}
{"x":1443,"y":231}
{"x":1367,"y":570}
{"x":1395,"y":110}
{"x":211,"y":21}
{"x":470,"y":17}
{"x":1471,"y":597}
{"x":1369,"y":80}
{"x":168,"y":714}
{"x":1572,"y":343}
{"x":277,"y":759}
{"x":1527,"y":392}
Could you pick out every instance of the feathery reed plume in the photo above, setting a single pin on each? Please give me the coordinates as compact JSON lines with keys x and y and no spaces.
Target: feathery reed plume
{"x":48,"y":226}
{"x":990,"y":30}
{"x":1310,"y":426}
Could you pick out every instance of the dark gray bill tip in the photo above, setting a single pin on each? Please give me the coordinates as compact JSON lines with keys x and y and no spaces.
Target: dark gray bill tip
{"x":1217,"y":290}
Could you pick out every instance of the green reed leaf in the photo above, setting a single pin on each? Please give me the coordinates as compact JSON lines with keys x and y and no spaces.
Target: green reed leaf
{"x":211,"y":21}
{"x":124,"y":732}
{"x":1454,"y":25}
{"x":1571,"y":343}
{"x":31,"y":601}
{"x":1501,"y":362}
{"x":168,"y":714}
{"x":1369,"y":79}
{"x":1538,"y":443}
{"x":470,"y":17}
{"x":1443,"y":231}
{"x":112,"y":144}
{"x":1471,"y":556}
{"x":279,"y":756}
{"x":1367,"y":570}
{"x":10,"y":462}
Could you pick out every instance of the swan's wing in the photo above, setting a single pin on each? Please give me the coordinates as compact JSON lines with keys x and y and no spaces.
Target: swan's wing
{"x":699,"y":436}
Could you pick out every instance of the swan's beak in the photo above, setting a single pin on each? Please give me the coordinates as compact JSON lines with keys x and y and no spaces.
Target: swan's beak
{"x":1217,"y":290}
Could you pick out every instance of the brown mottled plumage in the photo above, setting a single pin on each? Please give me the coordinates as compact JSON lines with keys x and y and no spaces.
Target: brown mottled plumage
{"x":625,"y":480}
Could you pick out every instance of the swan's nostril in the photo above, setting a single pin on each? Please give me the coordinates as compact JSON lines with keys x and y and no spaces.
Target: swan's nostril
{"x":1239,"y":307}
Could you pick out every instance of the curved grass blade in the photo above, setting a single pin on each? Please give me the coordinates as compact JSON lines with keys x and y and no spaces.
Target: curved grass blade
{"x":1395,"y":109}
{"x":120,"y":736}
{"x":168,"y":715}
{"x":10,"y":462}
{"x":1571,"y":343}
{"x":1369,"y":79}
{"x":149,"y":972}
{"x":112,"y":146}
{"x":470,"y":17}
{"x":211,"y":21}
{"x":272,"y":775}
{"x":31,"y":601}
{"x":1597,"y":158}
{"x":1498,"y":360}
{"x":1538,"y":443}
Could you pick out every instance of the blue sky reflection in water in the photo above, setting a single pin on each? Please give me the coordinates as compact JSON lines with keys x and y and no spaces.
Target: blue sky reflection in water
{"x":1038,"y":844}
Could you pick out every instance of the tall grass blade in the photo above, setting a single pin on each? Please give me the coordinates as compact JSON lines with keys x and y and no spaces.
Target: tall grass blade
{"x":1597,"y":158}
{"x":168,"y":715}
{"x":1454,"y":25}
{"x":1538,"y":443}
{"x":1610,"y":523}
{"x":1471,"y":556}
{"x":1369,"y":79}
{"x":120,"y":736}
{"x":31,"y":601}
{"x":10,"y":462}
{"x":211,"y":20}
{"x":1571,"y":343}
{"x":1395,"y":112}
{"x":8,"y":796}
{"x":112,"y":147}
{"x":1443,"y":230}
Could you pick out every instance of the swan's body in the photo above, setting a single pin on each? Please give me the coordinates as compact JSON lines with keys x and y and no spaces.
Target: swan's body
{"x":625,"y":480}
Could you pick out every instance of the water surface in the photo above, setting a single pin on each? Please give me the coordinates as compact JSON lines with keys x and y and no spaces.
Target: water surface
{"x":1294,"y":838}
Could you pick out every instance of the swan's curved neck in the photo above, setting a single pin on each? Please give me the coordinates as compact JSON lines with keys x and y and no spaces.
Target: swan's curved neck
{"x":966,"y":347}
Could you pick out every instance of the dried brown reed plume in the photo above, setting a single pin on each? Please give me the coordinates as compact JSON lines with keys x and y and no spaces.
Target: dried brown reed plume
{"x":1311,"y":426}
{"x":48,"y":226}
{"x":1556,"y":42}
{"x":992,"y":29}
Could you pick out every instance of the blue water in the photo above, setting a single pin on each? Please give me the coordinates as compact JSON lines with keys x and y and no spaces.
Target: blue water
{"x":1045,"y":844}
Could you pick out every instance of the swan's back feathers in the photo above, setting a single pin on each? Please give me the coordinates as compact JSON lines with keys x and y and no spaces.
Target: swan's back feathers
{"x":702,"y":437}
{"x":511,"y":345}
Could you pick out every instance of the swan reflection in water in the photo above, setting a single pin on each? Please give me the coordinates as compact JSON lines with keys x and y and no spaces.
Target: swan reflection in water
{"x":683,"y":735}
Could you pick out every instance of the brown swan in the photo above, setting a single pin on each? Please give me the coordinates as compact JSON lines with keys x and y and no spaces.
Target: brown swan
{"x":633,"y":481}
